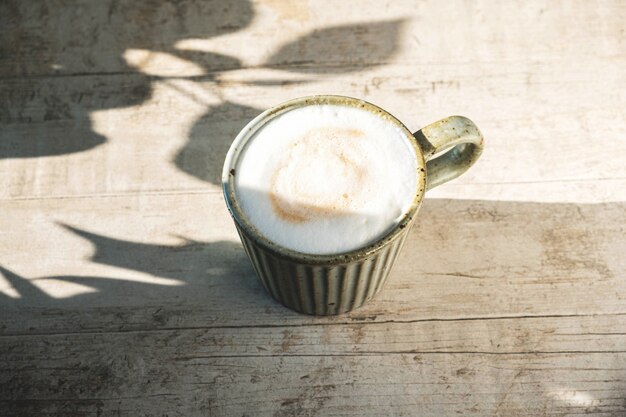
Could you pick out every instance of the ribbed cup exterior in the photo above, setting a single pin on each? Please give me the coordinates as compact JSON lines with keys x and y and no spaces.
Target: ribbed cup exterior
{"x":322,"y":289}
{"x":320,"y":284}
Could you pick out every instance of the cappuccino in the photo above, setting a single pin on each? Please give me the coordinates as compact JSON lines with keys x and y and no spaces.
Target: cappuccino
{"x":326,"y":178}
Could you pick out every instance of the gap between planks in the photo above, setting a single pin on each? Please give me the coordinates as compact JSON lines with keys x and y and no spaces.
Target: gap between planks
{"x":354,"y":321}
{"x":406,"y":352}
{"x":200,"y":191}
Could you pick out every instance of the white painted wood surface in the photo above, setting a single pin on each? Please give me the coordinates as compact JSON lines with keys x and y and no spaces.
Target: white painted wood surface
{"x":125,"y":291}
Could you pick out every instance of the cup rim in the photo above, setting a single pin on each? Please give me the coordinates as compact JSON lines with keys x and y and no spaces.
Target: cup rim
{"x":242,"y":138}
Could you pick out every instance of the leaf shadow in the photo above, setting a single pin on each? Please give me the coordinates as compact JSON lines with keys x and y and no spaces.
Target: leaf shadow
{"x":340,"y":49}
{"x":332,"y":50}
{"x":58,"y":79}
{"x":203,"y":154}
{"x":471,"y":241}
{"x":191,"y":271}
{"x":210,"y":61}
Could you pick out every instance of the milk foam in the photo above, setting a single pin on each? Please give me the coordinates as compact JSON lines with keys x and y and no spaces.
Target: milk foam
{"x":326,"y":179}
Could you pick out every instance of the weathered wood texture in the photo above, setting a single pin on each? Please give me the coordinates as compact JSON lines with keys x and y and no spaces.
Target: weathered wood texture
{"x":124,"y":289}
{"x":162,"y":267}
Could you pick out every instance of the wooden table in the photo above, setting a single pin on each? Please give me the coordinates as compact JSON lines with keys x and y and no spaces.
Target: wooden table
{"x":124,"y":289}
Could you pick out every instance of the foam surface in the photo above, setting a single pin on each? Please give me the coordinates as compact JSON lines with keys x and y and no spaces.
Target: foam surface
{"x":326,"y":179}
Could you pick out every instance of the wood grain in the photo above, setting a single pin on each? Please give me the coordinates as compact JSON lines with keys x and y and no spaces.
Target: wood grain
{"x":372,"y":385}
{"x":124,"y":289}
{"x":136,"y":264}
{"x":545,"y":132}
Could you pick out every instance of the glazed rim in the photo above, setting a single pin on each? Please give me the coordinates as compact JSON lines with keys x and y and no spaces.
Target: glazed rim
{"x":229,"y":173}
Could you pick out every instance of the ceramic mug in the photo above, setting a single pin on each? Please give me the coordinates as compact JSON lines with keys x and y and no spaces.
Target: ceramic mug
{"x":338,"y":283}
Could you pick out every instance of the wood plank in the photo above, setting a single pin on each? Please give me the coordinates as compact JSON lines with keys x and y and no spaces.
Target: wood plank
{"x":150,"y":381}
{"x":518,"y":335}
{"x":130,"y":133}
{"x":210,"y":35}
{"x":132,"y":263}
{"x":157,"y":111}
{"x":532,"y":366}
{"x":124,"y":289}
{"x":601,"y":190}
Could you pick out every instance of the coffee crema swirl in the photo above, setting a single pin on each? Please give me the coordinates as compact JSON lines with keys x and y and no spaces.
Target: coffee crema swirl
{"x":297,"y":175}
{"x":325,"y":179}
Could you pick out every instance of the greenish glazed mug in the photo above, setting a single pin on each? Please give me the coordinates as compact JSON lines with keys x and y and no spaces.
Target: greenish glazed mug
{"x":338,"y":283}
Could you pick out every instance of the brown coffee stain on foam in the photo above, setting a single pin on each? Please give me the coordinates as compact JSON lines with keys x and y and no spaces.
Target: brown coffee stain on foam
{"x":300,"y":213}
{"x":349,"y":163}
{"x":297,"y":212}
{"x":343,"y":131}
{"x":284,"y":210}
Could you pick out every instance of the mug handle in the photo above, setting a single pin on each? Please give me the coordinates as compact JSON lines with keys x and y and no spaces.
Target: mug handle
{"x":456,"y":132}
